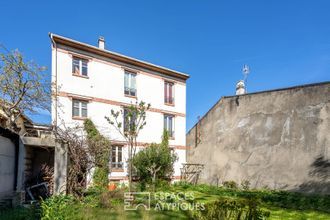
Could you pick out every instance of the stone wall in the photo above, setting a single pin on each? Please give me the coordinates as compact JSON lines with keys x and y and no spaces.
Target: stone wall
{"x":278,"y":139}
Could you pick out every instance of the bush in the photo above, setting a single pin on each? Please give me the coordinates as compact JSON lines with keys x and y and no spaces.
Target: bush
{"x":183,"y":184}
{"x":224,"y":208}
{"x":230,"y":184}
{"x":99,"y":150}
{"x":155,"y":163}
{"x":295,"y":200}
{"x":100,"y":177}
{"x":21,"y":213}
{"x":245,"y":184}
{"x":102,"y":198}
{"x":59,"y":207}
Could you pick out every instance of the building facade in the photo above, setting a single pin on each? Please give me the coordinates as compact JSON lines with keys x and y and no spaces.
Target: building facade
{"x":91,"y":81}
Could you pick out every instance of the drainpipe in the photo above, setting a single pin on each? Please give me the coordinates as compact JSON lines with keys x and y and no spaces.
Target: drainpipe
{"x":55,"y":69}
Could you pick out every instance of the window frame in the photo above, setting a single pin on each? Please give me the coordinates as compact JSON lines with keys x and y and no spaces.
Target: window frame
{"x":118,"y":164}
{"x":169,"y":92}
{"x":129,"y":90}
{"x":82,"y":64}
{"x":171,"y":133}
{"x":80,"y":108}
{"x":126,"y":125}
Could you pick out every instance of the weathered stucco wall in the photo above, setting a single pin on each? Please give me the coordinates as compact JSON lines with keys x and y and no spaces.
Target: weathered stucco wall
{"x":7,"y":166}
{"x":279,"y":139}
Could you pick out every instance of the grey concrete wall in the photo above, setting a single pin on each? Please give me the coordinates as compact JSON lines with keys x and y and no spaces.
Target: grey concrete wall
{"x":21,"y":166}
{"x":279,"y":139}
{"x":7,"y":166}
{"x":60,"y":168}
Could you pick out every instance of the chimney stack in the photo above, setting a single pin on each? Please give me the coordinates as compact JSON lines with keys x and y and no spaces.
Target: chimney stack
{"x":240,"y":88}
{"x":101,"y":43}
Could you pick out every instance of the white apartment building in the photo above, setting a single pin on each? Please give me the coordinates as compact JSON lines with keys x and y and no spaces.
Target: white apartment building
{"x":89,"y":81}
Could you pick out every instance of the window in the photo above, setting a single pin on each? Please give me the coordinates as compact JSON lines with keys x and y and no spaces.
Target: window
{"x":79,"y":66}
{"x":129,"y":121}
{"x":79,"y":108}
{"x":168,"y":93}
{"x":130,"y":83}
{"x":117,"y":157}
{"x":169,"y":125}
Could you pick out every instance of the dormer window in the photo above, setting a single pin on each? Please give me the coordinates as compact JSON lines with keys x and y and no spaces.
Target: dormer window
{"x":79,"y":66}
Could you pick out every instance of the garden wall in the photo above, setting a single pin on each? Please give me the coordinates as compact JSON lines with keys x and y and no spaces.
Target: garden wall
{"x":279,"y":139}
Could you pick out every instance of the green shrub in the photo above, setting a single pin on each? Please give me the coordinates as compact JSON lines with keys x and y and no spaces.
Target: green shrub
{"x":100,"y":177}
{"x":20,"y":213}
{"x":99,"y":151}
{"x":140,"y":186}
{"x":59,"y":207}
{"x":163,"y":185}
{"x":102,"y":198}
{"x":230,"y":184}
{"x":183,"y":184}
{"x":155,"y":163}
{"x":294,"y":200}
{"x":245,"y":184}
{"x":225,"y":209}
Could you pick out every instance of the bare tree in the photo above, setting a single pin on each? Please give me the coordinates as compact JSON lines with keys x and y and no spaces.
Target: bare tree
{"x":80,"y":161}
{"x":24,"y":87}
{"x":87,"y":149}
{"x":134,"y":117}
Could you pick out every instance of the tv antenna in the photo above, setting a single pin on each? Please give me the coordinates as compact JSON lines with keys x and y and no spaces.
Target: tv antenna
{"x":246,"y":72}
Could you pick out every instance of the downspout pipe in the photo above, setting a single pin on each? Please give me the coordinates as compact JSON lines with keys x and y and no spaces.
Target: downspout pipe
{"x":54,"y":45}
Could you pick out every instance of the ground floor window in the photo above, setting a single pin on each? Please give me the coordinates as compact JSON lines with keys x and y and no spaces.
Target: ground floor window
{"x":117,"y":157}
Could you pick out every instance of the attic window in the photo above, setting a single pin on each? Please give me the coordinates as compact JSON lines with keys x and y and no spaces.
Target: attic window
{"x":79,"y":66}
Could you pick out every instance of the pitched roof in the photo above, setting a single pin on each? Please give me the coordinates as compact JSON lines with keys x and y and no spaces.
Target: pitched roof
{"x":116,"y":56}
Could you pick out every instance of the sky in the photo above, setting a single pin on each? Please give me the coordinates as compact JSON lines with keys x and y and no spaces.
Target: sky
{"x":285,"y":43}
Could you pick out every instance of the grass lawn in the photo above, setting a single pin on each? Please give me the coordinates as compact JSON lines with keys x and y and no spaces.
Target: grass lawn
{"x":105,"y":214}
{"x":281,"y":205}
{"x":276,"y":214}
{"x":279,"y":214}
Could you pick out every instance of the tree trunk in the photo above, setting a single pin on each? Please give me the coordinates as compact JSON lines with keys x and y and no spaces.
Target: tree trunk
{"x":154,"y":180}
{"x":130,"y":165}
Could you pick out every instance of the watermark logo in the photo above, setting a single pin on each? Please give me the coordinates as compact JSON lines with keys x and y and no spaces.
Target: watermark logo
{"x":135,"y":200}
{"x":162,"y":201}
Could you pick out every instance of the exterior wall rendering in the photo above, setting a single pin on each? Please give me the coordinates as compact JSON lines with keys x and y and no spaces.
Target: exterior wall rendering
{"x":91,"y":81}
{"x":279,"y":139}
{"x":7,"y":166}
